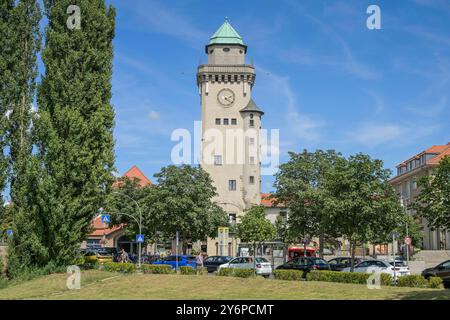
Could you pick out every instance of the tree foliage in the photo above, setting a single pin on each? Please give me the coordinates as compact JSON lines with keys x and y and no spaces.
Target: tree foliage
{"x":20,"y":43}
{"x":300,"y":187}
{"x":363,"y":205}
{"x":70,"y":173}
{"x":254,"y":227}
{"x":433,"y":201}
{"x":182,"y":200}
{"x":129,"y":198}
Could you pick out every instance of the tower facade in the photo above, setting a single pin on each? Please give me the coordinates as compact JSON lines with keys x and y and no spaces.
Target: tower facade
{"x":231,"y":123}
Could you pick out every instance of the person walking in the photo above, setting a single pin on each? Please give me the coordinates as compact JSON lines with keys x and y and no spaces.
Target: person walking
{"x":199,"y":260}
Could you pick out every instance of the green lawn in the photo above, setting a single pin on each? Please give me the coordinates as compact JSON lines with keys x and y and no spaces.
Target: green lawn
{"x":104,"y":285}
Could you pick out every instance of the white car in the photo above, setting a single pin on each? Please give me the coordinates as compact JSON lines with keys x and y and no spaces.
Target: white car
{"x":262,"y":265}
{"x":384,"y":267}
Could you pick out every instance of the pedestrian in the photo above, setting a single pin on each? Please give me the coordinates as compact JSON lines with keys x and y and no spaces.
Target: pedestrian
{"x":199,"y":260}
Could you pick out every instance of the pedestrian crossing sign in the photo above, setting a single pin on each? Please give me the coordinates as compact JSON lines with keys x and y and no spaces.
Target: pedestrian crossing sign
{"x":106,"y":218}
{"x":140,"y":238}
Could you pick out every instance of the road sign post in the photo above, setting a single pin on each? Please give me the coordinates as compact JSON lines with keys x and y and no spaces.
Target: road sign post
{"x":394,"y":236}
{"x":176,"y":250}
{"x":222,"y":235}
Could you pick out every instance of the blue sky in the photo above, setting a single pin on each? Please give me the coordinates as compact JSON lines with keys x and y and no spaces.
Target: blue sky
{"x":323,"y":78}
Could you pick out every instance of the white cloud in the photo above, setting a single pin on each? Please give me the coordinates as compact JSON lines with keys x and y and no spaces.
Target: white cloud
{"x":375,"y":134}
{"x":153,"y":115}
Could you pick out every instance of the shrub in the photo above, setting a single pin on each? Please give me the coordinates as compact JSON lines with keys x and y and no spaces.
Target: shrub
{"x":119,"y":267}
{"x":225,"y":272}
{"x":243,"y":273}
{"x":435,"y":282}
{"x":188,"y":270}
{"x":288,"y":275}
{"x":156,"y":269}
{"x":415,"y":281}
{"x":386,"y":279}
{"x":338,"y":276}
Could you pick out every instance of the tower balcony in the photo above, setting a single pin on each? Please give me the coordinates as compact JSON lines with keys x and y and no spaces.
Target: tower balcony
{"x":226,"y":73}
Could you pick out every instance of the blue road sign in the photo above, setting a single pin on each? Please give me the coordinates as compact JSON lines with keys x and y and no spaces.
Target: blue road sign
{"x":140,"y":238}
{"x":106,"y":218}
{"x":9,"y":232}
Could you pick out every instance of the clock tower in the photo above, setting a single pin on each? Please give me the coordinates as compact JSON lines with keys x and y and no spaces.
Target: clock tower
{"x":231,"y":123}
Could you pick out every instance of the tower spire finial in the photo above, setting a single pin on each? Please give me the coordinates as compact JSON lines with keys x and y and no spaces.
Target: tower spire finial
{"x":226,"y":18}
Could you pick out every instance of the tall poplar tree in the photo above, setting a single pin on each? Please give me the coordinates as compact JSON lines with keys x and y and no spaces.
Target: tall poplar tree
{"x":6,"y":11}
{"x":22,"y":43}
{"x":74,"y":135}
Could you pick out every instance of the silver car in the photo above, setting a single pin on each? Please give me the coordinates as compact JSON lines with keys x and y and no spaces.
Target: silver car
{"x":262,"y":265}
{"x":382,"y":265}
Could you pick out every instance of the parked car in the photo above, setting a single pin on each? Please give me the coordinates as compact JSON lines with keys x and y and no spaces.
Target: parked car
{"x":305,"y":264}
{"x":99,"y":255}
{"x":384,"y":267}
{"x":183,"y":261}
{"x":212,"y":263}
{"x":442,"y":270}
{"x":262,"y":265}
{"x":337,"y":264}
{"x":149,"y":258}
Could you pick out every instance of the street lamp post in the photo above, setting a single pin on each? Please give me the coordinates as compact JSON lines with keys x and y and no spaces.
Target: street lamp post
{"x":139,"y":222}
{"x":407,"y":231}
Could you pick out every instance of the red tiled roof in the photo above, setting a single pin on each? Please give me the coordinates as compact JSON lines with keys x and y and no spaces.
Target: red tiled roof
{"x":267,"y":202}
{"x":439,"y":150}
{"x":135,"y":173}
{"x":439,"y":157}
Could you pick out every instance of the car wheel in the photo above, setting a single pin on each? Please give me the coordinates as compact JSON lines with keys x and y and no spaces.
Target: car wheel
{"x":447,"y":284}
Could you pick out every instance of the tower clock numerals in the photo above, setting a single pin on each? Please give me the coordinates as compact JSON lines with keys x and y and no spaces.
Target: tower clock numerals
{"x":226,"y":97}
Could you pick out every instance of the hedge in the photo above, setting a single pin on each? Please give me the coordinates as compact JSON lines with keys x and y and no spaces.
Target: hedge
{"x":417,"y":281}
{"x":346,"y":277}
{"x":119,"y":267}
{"x":243,"y":273}
{"x":225,"y":272}
{"x":236,"y":272}
{"x":295,"y":275}
{"x":156,"y":269}
{"x":191,"y":271}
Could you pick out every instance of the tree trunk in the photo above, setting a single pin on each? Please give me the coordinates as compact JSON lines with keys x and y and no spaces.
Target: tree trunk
{"x":352,"y":250}
{"x":184,"y":245}
{"x":321,"y":245}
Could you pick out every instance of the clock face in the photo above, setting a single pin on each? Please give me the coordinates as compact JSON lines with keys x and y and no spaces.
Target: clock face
{"x":226,"y":97}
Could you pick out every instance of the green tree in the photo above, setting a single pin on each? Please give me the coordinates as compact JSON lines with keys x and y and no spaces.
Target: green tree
{"x":183,"y":201}
{"x":255,"y":228}
{"x":363,"y":205}
{"x":433,"y":201}
{"x":73,"y":130}
{"x":300,"y":185}
{"x":129,"y":198}
{"x":6,"y":77}
{"x":17,"y":95}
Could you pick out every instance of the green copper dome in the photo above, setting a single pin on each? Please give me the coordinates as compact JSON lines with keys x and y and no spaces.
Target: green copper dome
{"x":226,"y":35}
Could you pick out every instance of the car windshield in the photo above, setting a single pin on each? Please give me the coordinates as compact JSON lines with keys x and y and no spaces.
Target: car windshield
{"x":319,"y":261}
{"x":398,"y":264}
{"x":261,"y":260}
